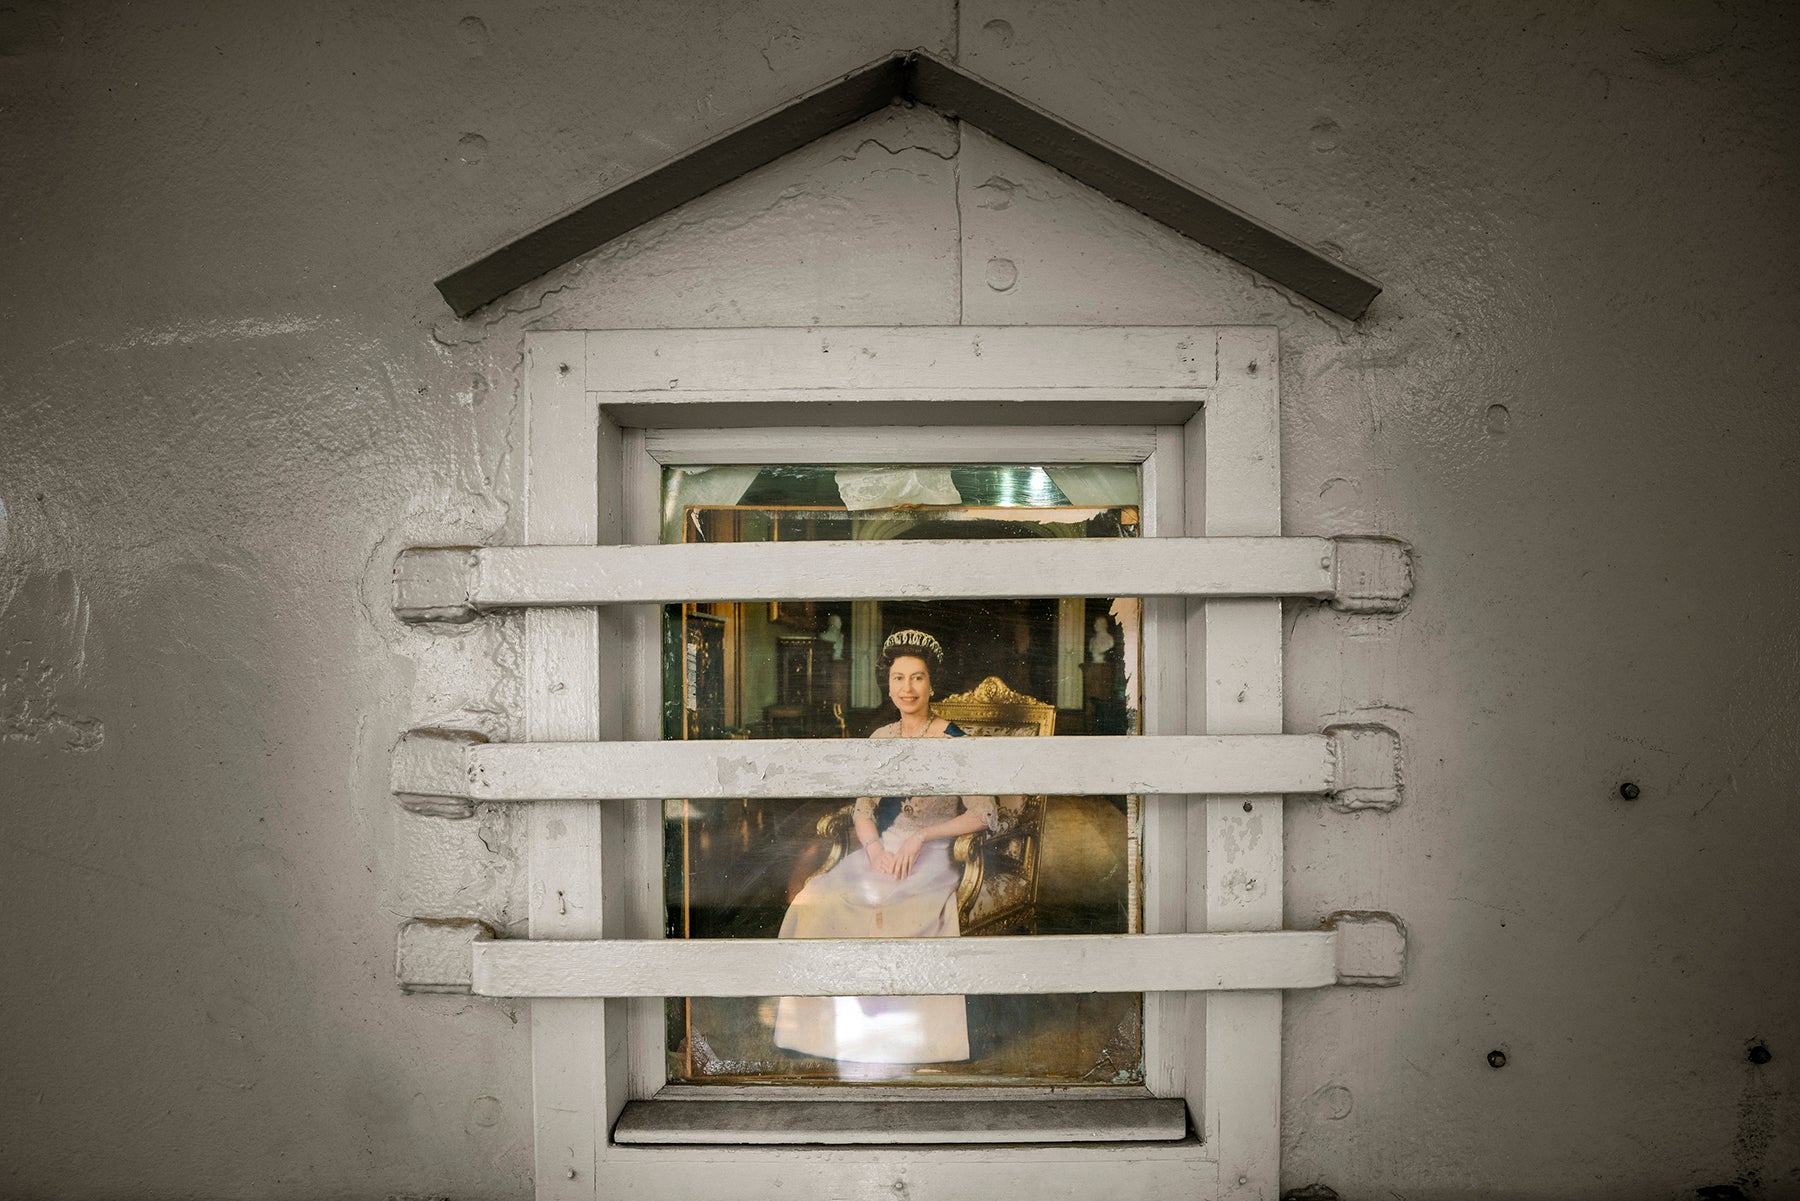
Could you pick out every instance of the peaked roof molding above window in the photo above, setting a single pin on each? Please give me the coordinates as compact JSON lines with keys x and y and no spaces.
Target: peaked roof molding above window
{"x":919,"y":77}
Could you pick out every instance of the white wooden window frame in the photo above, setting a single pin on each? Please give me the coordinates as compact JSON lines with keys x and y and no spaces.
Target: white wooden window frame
{"x":1198,"y":408}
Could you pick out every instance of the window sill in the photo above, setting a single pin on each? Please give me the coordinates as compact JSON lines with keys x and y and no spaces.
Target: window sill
{"x":877,"y":1117}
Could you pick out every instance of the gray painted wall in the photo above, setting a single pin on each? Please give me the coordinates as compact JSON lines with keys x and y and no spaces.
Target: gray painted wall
{"x":230,"y":395}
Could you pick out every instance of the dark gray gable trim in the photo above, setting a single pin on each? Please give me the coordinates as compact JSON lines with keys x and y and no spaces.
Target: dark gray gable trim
{"x":1133,"y":182}
{"x":719,"y":160}
{"x":956,"y":93}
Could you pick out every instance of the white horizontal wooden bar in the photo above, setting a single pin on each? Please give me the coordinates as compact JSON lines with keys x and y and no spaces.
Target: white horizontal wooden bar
{"x":757,"y":967}
{"x":842,"y":1122}
{"x":445,"y":765}
{"x":455,"y":583}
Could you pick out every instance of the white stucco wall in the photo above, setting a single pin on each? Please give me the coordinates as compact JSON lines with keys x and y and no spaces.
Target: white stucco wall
{"x":230,"y":394}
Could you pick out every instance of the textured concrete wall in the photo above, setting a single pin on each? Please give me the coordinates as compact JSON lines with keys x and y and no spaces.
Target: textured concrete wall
{"x":230,"y":395}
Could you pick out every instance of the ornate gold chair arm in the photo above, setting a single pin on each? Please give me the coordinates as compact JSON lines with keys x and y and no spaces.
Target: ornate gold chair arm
{"x":838,"y":828}
{"x":967,"y":850}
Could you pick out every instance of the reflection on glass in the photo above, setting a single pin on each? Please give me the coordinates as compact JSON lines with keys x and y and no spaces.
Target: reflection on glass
{"x":952,"y":866}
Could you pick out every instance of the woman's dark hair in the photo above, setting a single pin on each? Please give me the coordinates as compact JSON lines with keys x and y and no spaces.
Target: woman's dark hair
{"x":915,"y":644}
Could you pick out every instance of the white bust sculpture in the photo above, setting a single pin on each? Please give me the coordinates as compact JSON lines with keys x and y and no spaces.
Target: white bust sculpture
{"x":1101,"y":642}
{"x":834,"y":635}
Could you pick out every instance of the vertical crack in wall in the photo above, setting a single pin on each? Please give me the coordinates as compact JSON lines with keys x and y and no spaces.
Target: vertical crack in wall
{"x":962,"y":249}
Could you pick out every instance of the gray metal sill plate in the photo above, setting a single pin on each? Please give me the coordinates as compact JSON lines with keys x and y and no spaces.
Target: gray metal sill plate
{"x":848,"y":1122}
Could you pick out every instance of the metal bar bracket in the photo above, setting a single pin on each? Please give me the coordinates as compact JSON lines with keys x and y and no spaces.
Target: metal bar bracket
{"x":1365,"y":768}
{"x":432,"y":954}
{"x":1371,"y":947}
{"x":1370,"y":574}
{"x":430,"y":772}
{"x":436,"y":583}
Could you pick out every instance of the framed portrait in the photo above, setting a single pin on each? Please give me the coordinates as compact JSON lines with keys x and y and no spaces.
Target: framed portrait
{"x":1012,"y":866}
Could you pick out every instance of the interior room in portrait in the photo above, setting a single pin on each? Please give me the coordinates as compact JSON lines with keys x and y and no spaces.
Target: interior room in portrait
{"x":1024,"y":667}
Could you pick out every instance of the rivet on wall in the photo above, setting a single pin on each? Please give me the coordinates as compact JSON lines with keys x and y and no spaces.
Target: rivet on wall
{"x":1002,"y":274}
{"x":473,"y":33}
{"x":484,"y":1111}
{"x":1325,"y":134}
{"x":1331,"y":1103}
{"x":996,"y":193}
{"x":471,"y":148}
{"x":1311,"y":1192}
{"x":1000,"y":31}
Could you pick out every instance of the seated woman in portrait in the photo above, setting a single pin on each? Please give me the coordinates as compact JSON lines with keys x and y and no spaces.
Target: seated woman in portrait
{"x":901,"y":884}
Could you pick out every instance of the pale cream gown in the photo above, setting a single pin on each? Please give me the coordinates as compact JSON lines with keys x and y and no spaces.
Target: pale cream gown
{"x":853,"y":900}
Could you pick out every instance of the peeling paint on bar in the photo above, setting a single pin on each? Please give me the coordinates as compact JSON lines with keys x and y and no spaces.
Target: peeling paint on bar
{"x":1062,"y":963}
{"x":435,"y":768}
{"x":1363,"y":575}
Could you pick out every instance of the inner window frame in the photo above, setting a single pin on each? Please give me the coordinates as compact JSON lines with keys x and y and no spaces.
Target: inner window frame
{"x":1157,"y":453}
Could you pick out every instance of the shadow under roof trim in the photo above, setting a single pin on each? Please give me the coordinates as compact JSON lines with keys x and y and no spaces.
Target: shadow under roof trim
{"x":920,"y":78}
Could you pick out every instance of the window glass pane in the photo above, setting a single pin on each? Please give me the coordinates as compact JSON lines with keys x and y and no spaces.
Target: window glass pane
{"x":981,"y":866}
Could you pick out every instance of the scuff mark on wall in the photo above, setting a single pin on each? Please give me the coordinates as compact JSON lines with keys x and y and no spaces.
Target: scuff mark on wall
{"x":1755,"y":1126}
{"x":43,"y":655}
{"x":188,"y":334}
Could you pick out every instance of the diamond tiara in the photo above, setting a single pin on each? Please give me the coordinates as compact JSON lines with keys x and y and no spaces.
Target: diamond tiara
{"x":901,"y":641}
